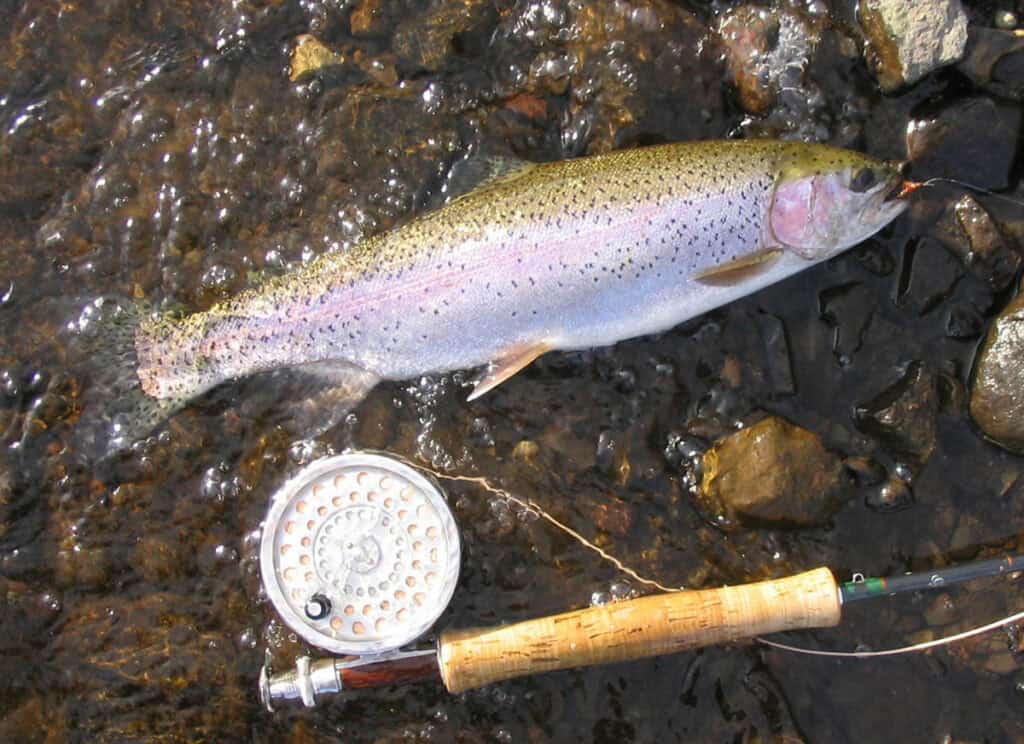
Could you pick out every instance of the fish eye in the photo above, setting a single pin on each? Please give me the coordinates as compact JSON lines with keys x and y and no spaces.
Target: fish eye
{"x":862,"y":180}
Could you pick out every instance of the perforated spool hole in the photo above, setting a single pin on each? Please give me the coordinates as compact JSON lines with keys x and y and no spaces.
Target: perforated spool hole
{"x":372,"y":515}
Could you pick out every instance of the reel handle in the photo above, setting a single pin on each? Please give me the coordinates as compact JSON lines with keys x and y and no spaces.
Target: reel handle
{"x":637,"y":628}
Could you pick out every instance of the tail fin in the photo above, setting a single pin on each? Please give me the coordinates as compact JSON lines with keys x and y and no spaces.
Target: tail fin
{"x":116,"y":411}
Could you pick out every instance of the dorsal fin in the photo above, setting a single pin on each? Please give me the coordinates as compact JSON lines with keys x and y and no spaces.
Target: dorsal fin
{"x":479,"y":171}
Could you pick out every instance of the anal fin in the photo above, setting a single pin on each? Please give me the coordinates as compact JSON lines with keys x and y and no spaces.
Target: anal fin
{"x":507,"y":365}
{"x":739,"y":269}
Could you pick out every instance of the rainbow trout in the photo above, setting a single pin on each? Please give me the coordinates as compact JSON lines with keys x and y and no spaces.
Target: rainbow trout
{"x":554,"y":256}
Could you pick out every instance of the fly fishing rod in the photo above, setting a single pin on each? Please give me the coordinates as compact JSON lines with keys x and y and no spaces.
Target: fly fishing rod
{"x":360,"y":556}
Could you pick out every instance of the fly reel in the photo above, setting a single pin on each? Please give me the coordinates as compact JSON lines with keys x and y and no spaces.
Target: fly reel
{"x":359,"y":556}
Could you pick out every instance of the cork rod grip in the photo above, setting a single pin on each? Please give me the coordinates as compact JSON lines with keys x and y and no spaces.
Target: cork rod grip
{"x":637,"y":628}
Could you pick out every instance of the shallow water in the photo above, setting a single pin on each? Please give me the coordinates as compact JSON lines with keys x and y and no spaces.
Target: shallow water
{"x":161,"y":150}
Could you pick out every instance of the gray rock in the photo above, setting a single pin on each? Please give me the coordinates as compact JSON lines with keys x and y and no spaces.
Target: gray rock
{"x":997,"y":391}
{"x":771,"y":474}
{"x":910,"y":38}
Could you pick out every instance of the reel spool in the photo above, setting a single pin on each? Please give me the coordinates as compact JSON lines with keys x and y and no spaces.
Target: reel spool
{"x":359,"y":554}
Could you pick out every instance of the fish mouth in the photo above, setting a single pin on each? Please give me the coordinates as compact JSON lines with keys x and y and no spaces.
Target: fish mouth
{"x":901,"y":189}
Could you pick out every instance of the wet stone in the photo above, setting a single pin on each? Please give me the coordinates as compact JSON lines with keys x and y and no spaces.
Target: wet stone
{"x":847,"y":308}
{"x":428,"y":40}
{"x":908,"y":40}
{"x":973,"y":140}
{"x":994,"y":61}
{"x":770,"y":474}
{"x":309,"y":55}
{"x":997,"y":389}
{"x":778,"y":360}
{"x":968,"y":230}
{"x":929,"y":276}
{"x":902,"y":416}
{"x":894,"y":494}
{"x":373,"y":17}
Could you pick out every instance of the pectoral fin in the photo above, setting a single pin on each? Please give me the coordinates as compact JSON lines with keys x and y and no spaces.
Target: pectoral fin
{"x":507,"y":365}
{"x":739,"y":269}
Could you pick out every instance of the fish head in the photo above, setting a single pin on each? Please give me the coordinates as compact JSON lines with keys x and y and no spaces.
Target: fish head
{"x":827,"y":200}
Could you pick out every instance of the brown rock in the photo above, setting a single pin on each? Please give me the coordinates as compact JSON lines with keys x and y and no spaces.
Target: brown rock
{"x":772,"y":473}
{"x":997,"y":390}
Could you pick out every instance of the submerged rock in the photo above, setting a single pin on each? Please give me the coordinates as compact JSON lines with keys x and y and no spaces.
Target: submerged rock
{"x":903,"y":415}
{"x":767,"y":51}
{"x":972,"y":140}
{"x":908,"y":39}
{"x":997,"y":391}
{"x":771,"y":474}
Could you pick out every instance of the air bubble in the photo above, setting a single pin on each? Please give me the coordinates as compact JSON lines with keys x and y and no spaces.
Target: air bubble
{"x":401,"y":615}
{"x":322,"y":511}
{"x":358,"y":628}
{"x":419,"y":598}
{"x":304,"y":560}
{"x":337,"y":623}
{"x":362,"y":478}
{"x":380,"y":625}
{"x":349,"y":610}
{"x":432,"y":532}
{"x":289,"y":527}
{"x":306,"y":542}
{"x":430,"y":578}
{"x":385,"y":482}
{"x":289,"y":574}
{"x":372,"y":496}
{"x":336,"y":501}
{"x":410,"y":581}
{"x":301,"y":507}
{"x":285,"y":548}
{"x":354,"y":496}
{"x":412,"y":528}
{"x":367,"y":609}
